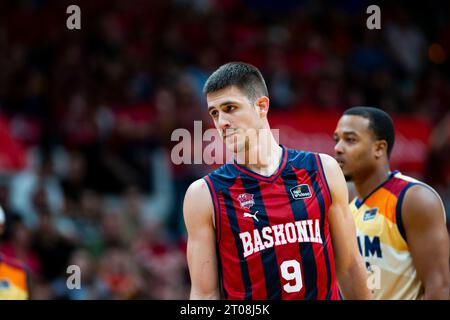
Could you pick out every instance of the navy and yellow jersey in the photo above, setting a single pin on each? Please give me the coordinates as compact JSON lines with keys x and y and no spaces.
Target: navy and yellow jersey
{"x":273,"y":235}
{"x":14,"y":280}
{"x":382,"y":240}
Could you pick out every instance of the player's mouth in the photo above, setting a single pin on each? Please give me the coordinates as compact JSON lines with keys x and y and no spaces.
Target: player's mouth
{"x":228,"y":137}
{"x":228,"y":134}
{"x":340,"y":161}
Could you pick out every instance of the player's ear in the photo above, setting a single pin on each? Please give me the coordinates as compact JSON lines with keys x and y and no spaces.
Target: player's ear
{"x":380,"y":148}
{"x":263,"y":106}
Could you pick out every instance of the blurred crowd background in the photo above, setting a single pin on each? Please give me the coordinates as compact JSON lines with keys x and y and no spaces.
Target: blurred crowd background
{"x":86,"y":116}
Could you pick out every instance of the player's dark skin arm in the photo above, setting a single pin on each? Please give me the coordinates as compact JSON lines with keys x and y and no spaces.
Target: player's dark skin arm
{"x":350,"y":270}
{"x":423,"y":219}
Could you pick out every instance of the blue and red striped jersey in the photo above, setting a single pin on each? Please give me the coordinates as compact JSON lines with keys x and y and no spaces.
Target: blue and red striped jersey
{"x":272,"y":232}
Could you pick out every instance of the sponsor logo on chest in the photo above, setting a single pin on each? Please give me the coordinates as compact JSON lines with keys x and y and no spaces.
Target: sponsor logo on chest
{"x":370,"y":214}
{"x":301,"y":191}
{"x":4,"y":284}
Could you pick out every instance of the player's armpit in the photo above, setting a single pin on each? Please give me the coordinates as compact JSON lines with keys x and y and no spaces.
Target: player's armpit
{"x":423,"y":219}
{"x":201,"y":247}
{"x":350,"y":270}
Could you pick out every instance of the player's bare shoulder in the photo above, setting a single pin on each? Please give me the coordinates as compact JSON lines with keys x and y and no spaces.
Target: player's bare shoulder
{"x":422,"y":201}
{"x":198,"y":205}
{"x":335,"y":179}
{"x":328,"y":160}
{"x":330,"y":166}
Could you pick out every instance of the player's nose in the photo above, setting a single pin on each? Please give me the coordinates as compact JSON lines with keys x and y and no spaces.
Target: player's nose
{"x":338,"y":148}
{"x":223,"y":121}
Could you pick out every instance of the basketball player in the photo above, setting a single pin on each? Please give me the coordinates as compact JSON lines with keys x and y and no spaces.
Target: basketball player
{"x":278,"y":227}
{"x":14,"y":279}
{"x":400,"y":221}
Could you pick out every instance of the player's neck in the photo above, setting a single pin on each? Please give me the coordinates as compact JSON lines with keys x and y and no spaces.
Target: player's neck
{"x":264,"y":159}
{"x":365,"y":185}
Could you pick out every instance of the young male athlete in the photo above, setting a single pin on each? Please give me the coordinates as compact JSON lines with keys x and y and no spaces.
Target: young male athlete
{"x":14,"y":278}
{"x":275,"y":226}
{"x":400,"y":221}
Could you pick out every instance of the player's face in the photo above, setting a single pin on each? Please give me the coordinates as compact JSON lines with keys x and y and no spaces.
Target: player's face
{"x":354,"y":149}
{"x":235,"y":117}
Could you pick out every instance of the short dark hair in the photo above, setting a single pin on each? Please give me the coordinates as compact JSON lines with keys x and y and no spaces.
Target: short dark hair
{"x":380,"y":123}
{"x":244,"y":76}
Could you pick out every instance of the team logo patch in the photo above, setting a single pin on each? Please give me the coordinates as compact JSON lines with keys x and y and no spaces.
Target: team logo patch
{"x":246,"y":200}
{"x":301,"y":191}
{"x":370,"y":214}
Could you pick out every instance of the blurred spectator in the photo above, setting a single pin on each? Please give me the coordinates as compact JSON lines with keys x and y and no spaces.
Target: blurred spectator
{"x":51,"y":247}
{"x":9,"y":214}
{"x":407,"y":43}
{"x":437,"y":171}
{"x":122,"y":275}
{"x":164,"y":263}
{"x":19,"y":247}
{"x":91,"y":286}
{"x":27,"y":183}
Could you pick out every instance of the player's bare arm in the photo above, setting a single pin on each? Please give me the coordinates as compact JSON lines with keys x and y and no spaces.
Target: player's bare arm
{"x":424,"y":222}
{"x":350,"y":270}
{"x":201,"y":247}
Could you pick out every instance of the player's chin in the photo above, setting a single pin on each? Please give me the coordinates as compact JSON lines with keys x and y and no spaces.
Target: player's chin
{"x":231,"y":145}
{"x":236,"y":147}
{"x":347,"y":174}
{"x":345,"y":170}
{"x":348,"y":177}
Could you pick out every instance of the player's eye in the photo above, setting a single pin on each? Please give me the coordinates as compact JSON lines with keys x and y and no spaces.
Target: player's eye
{"x":214,"y":113}
{"x":229,"y":108}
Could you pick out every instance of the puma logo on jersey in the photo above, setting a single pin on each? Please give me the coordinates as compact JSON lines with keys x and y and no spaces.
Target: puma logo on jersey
{"x":249,"y":215}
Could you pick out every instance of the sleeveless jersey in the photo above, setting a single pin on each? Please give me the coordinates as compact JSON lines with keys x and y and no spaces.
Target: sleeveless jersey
{"x":382,"y":240}
{"x":273,"y":238}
